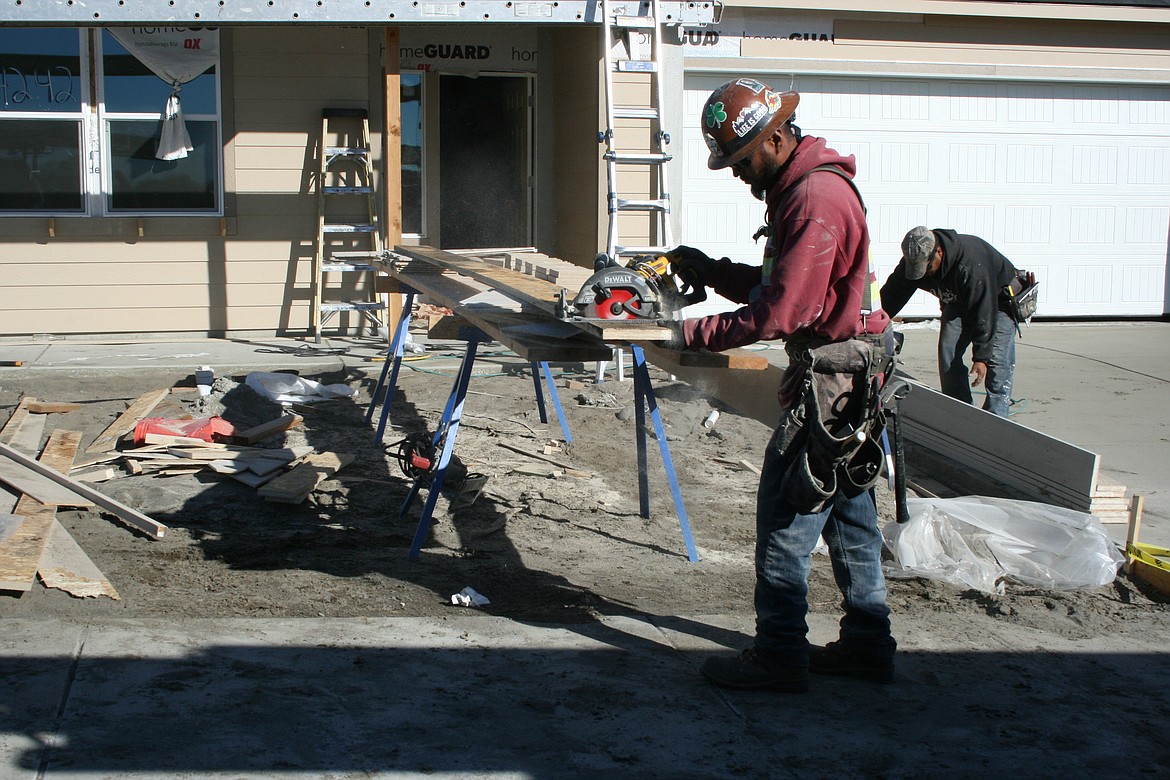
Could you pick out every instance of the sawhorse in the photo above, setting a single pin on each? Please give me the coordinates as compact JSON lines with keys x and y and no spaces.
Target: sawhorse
{"x":448,"y":429}
{"x":383,"y":392}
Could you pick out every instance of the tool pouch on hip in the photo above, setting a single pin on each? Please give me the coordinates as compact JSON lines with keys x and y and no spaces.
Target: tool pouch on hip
{"x":828,"y":428}
{"x":1021,"y":296}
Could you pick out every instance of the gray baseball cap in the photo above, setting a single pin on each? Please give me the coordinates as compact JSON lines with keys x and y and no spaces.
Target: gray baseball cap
{"x":917,"y":247}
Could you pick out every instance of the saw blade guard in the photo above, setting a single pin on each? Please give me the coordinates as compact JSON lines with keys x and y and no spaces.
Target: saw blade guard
{"x":617,"y":293}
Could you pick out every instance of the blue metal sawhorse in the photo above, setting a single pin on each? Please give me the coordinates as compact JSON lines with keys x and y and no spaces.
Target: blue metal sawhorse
{"x":448,"y":427}
{"x":383,"y":392}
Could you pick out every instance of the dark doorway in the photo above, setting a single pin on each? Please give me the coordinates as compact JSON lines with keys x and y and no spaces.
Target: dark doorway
{"x":483,"y":162}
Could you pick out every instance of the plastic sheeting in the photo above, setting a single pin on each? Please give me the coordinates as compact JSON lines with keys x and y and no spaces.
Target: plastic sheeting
{"x":980,"y":542}
{"x":290,"y":388}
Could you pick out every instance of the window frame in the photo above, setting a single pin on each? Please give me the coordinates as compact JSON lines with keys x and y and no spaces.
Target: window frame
{"x":96,"y":149}
{"x":423,"y":89}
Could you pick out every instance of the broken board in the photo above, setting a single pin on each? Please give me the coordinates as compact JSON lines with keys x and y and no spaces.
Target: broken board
{"x":65,"y":566}
{"x":295,"y":486}
{"x":142,"y":406}
{"x":20,"y":554}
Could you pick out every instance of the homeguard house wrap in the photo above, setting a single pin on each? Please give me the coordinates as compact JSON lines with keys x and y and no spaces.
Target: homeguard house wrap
{"x":199,"y":168}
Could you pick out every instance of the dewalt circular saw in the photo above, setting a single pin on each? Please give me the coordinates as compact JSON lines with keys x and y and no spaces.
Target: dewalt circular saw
{"x":644,"y":289}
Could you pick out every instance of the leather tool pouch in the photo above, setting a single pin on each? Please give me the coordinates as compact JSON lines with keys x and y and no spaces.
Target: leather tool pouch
{"x":822,"y":442}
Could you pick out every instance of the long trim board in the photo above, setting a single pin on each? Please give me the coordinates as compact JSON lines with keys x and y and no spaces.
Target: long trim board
{"x":1033,"y":465}
{"x":125,"y":422}
{"x":126,"y":514}
{"x":531,"y":290}
{"x":448,"y":290}
{"x":1036,"y":466}
{"x":22,"y":553}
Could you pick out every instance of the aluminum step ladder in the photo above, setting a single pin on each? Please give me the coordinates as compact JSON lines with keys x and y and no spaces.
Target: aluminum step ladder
{"x":634,"y":137}
{"x":347,"y":225}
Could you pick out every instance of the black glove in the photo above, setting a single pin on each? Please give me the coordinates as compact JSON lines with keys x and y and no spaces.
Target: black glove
{"x":691,"y":265}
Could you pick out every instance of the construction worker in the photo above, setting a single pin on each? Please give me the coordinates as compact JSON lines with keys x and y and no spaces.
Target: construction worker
{"x":809,"y":293}
{"x":973,"y":283}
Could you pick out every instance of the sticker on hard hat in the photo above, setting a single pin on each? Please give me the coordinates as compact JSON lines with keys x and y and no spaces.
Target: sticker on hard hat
{"x":773,"y":100}
{"x":751,"y":84}
{"x":713,"y":145}
{"x":749,"y":117}
{"x":716,"y":116}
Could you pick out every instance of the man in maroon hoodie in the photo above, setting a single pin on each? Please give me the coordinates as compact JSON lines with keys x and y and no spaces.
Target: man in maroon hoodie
{"x":818,"y":471}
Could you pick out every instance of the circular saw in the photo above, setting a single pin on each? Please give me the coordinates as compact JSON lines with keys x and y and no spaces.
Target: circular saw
{"x":643,"y":289}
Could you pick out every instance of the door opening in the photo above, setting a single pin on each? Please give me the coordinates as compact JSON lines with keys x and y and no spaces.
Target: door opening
{"x":484,"y":198}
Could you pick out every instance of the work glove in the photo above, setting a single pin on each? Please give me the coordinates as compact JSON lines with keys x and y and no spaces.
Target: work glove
{"x":694,"y":267}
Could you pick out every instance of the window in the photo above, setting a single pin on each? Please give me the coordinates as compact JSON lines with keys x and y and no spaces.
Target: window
{"x":61,"y":156}
{"x":410,"y":91}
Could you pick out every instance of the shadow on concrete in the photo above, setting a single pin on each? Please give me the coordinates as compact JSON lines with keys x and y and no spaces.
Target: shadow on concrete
{"x":475,"y":700}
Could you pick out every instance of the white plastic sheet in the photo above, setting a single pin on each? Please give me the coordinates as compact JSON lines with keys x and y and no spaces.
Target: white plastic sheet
{"x":978,"y":542}
{"x":176,"y":55}
{"x":290,"y":388}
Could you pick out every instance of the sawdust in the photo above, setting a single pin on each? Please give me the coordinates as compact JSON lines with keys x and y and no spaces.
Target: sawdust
{"x":544,"y":541}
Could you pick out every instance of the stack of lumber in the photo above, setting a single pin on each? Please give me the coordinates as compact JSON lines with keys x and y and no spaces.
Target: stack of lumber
{"x":1108,"y":501}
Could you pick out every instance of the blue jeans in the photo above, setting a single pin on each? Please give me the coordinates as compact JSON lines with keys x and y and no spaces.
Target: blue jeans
{"x":953,"y":374}
{"x":785,"y":540}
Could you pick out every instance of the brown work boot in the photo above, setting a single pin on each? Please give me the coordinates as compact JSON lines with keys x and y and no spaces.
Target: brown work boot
{"x":839,"y":660}
{"x":751,"y":670}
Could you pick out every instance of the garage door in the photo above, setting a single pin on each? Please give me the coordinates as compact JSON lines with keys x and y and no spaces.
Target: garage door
{"x":1071,"y":181}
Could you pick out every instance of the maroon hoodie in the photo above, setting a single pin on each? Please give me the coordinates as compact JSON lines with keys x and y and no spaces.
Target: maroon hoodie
{"x":816,"y":263}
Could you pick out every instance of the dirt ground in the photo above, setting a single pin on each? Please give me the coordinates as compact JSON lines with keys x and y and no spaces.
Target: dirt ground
{"x":542,"y":542}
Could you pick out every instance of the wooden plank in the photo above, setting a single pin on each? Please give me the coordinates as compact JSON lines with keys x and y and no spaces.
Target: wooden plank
{"x":65,"y":566}
{"x":750,"y":391}
{"x":21,"y":553}
{"x":538,"y":293}
{"x":448,"y":289}
{"x":51,"y":407}
{"x":523,"y":288}
{"x":28,"y":438}
{"x":141,"y":407}
{"x":739,"y":359}
{"x":295,"y":486}
{"x":16,"y":419}
{"x":270,"y":428}
{"x":285,"y":454}
{"x":30,"y":482}
{"x":130,"y":516}
{"x":187,"y":441}
{"x":100,"y":474}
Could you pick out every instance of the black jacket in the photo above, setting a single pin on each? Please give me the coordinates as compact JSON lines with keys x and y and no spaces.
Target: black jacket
{"x":968,"y":285}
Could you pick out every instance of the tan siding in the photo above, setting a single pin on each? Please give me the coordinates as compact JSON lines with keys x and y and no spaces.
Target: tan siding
{"x":26,"y":275}
{"x":321,"y":91}
{"x":276,"y":157}
{"x":1024,"y":48}
{"x":280,"y":180}
{"x":250,"y":271}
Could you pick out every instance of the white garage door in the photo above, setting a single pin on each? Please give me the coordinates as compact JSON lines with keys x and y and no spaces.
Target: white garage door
{"x":1071,"y":181}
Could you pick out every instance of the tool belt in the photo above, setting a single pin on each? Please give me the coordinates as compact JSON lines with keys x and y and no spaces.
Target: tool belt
{"x":1020,"y":296}
{"x":832,"y":431}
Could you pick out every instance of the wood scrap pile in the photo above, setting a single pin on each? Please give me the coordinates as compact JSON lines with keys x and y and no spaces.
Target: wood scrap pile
{"x":1108,"y":502}
{"x":35,"y":481}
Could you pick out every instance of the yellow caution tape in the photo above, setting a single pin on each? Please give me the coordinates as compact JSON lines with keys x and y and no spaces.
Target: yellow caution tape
{"x":1149,"y":554}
